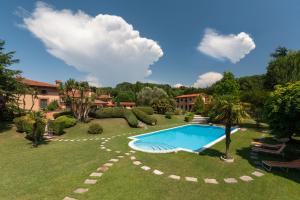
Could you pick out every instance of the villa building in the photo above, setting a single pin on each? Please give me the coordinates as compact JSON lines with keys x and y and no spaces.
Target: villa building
{"x":187,"y":101}
{"x":46,"y":93}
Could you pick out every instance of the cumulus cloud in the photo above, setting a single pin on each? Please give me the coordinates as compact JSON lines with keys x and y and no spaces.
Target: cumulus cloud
{"x":231,"y":47}
{"x":207,"y":79}
{"x":105,"y":47}
{"x":178,"y":85}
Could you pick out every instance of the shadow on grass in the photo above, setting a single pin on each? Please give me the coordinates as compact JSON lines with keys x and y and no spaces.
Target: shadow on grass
{"x":211,"y":152}
{"x":292,"y":174}
{"x":5,"y":126}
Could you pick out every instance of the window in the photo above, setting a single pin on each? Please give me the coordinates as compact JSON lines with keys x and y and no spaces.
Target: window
{"x":43,"y":103}
{"x":44,"y":91}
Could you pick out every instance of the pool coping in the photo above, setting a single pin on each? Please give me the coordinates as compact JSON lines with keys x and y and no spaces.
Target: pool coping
{"x":133,"y":139}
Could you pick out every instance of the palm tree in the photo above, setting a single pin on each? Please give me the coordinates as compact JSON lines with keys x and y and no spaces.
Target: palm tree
{"x":230,"y":111}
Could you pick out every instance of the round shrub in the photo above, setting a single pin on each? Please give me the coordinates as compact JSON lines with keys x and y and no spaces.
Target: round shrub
{"x":95,"y":129}
{"x":189,"y":117}
{"x":66,"y":120}
{"x":144,"y":117}
{"x":24,"y":123}
{"x":178,"y":112}
{"x":56,"y":115}
{"x":168,"y":115}
{"x":57,"y":128}
{"x":146,"y":109}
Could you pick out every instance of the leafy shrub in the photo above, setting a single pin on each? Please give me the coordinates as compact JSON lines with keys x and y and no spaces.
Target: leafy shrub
{"x":178,"y":112}
{"x":162,"y":106}
{"x":189,"y":117}
{"x":58,"y":125}
{"x":95,"y":129}
{"x":117,"y":112}
{"x":68,"y":121}
{"x":146,"y":109}
{"x":168,"y":115}
{"x":24,"y":123}
{"x":144,"y":117}
{"x":56,"y":115}
{"x":53,"y":105}
{"x":130,"y":118}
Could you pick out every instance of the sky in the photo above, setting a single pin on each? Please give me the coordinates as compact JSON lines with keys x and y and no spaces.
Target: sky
{"x":176,"y":42}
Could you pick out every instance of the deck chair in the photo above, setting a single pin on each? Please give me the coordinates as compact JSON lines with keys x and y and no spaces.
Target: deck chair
{"x":270,"y":151}
{"x":268,"y":165}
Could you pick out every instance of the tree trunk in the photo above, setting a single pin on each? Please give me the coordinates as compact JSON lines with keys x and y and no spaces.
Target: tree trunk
{"x":227,"y":133}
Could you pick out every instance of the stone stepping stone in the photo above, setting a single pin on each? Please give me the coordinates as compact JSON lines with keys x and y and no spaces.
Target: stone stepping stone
{"x":102,"y":169}
{"x":96,"y":174}
{"x":81,"y":190}
{"x":103,"y":147}
{"x":118,"y":151}
{"x":157,"y":172}
{"x":137,"y":163}
{"x":246,"y":178}
{"x":103,"y":142}
{"x":66,"y":140}
{"x":61,"y":140}
{"x":191,"y":179}
{"x":132,"y":158}
{"x":127,"y":154}
{"x":146,"y":168}
{"x":132,"y":151}
{"x":120,"y":156}
{"x":90,"y":181}
{"x":108,"y":164}
{"x":258,"y":174}
{"x":78,"y":140}
{"x":175,"y":177}
{"x":230,"y":180}
{"x":211,"y":181}
{"x":92,"y":139}
{"x":108,"y":149}
{"x":69,"y":198}
{"x":114,"y":160}
{"x":86,"y":139}
{"x":72,"y":140}
{"x":102,"y":138}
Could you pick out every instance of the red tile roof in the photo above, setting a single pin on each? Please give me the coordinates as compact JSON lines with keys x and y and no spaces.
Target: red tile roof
{"x":37,"y":83}
{"x":188,"y":95}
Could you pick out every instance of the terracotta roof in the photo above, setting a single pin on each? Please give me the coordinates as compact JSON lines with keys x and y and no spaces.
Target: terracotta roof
{"x":37,"y":83}
{"x":104,"y":96}
{"x":127,"y":103}
{"x":188,"y":95}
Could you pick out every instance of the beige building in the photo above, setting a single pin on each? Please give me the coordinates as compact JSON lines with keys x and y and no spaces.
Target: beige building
{"x":187,"y":101}
{"x":46,"y":93}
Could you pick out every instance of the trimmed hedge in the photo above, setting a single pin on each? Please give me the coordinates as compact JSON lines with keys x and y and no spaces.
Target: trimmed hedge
{"x":144,"y":117}
{"x":58,"y":125}
{"x":56,"y":115}
{"x":117,"y":112}
{"x":168,"y":115}
{"x":95,"y":129}
{"x":146,"y":109}
{"x":24,"y":123}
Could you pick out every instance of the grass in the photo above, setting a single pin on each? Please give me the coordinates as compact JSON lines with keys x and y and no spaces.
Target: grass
{"x":54,"y":170}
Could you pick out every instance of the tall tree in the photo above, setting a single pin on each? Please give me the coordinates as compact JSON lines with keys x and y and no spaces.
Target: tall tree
{"x":9,"y":85}
{"x":282,"y":110}
{"x":282,"y":69}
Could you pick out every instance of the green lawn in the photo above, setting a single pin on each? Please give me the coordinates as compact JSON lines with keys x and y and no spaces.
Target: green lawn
{"x":54,"y":170}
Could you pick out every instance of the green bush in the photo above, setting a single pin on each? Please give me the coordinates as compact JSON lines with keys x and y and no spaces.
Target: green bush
{"x":130,"y":118}
{"x":178,"y":112}
{"x":168,"y":115}
{"x":95,"y":129}
{"x":58,"y":125}
{"x":68,"y":121}
{"x":56,"y":115}
{"x":117,"y":112}
{"x":189,"y":117}
{"x":24,"y":123}
{"x":146,"y":109}
{"x":53,"y":105}
{"x":144,"y":117}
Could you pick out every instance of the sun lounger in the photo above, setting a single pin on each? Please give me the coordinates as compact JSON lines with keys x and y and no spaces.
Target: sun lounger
{"x":265,"y":145}
{"x":268,"y":165}
{"x":270,"y":151}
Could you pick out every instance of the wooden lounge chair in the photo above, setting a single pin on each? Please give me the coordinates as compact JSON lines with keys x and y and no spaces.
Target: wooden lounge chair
{"x":270,"y":151}
{"x":265,"y":145}
{"x":268,"y":165}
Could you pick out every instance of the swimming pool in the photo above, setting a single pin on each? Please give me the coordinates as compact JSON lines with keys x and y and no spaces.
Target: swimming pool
{"x":191,"y":138}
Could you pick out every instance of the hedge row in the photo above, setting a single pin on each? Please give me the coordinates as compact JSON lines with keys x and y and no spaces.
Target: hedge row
{"x":144,"y":117}
{"x":117,"y":112}
{"x":146,"y":109}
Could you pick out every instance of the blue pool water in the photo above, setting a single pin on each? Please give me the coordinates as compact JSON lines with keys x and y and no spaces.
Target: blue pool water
{"x":191,"y":138}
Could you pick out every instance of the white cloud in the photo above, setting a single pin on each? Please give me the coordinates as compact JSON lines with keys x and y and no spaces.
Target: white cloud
{"x":231,"y":47}
{"x":92,"y":80}
{"x":178,"y":85}
{"x":207,"y":79}
{"x":105,"y":47}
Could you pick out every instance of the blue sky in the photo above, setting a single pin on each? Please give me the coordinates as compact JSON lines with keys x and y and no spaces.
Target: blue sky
{"x":174,"y":27}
